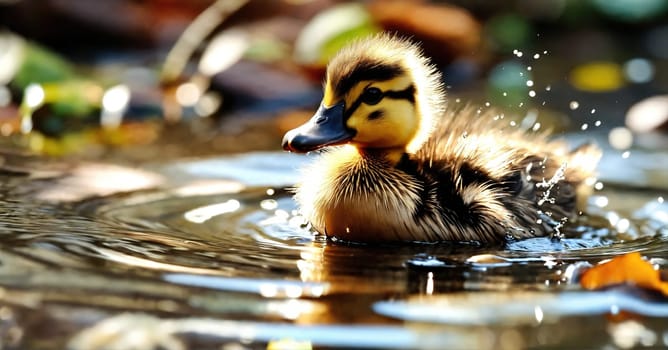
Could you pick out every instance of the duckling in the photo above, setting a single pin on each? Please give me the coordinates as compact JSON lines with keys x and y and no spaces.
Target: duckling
{"x":398,"y":165}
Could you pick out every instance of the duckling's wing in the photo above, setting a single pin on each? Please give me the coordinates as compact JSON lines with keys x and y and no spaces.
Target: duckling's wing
{"x":506,"y":175}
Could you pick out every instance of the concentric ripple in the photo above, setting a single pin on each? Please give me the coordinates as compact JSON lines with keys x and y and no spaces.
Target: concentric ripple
{"x":224,"y":241}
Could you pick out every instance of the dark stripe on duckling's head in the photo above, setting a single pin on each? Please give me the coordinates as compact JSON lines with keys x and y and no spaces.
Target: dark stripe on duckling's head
{"x":377,"y":114}
{"x":405,"y":94}
{"x":344,"y":78}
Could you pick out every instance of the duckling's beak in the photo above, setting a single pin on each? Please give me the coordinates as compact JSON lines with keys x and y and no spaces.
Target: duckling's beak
{"x":326,"y":128}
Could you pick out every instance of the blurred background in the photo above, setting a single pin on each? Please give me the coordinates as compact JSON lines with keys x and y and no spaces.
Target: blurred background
{"x":97,"y":79}
{"x":107,"y":105}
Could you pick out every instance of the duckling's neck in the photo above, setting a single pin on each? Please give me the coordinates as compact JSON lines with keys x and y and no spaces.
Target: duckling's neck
{"x":390,"y":155}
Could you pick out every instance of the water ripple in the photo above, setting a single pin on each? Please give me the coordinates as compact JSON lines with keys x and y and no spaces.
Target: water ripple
{"x":228,"y":241}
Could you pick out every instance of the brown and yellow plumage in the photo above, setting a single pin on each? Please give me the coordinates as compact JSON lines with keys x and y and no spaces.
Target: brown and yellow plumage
{"x":403,"y":167}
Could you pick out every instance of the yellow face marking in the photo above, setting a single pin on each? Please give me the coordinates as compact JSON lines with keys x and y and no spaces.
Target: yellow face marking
{"x":329,"y":99}
{"x":399,"y":121}
{"x":395,"y":129}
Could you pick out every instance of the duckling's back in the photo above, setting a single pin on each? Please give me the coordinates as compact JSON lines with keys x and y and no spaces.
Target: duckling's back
{"x":498,"y":181}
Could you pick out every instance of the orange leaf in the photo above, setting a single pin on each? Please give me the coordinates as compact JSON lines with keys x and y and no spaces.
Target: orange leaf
{"x":628,"y":268}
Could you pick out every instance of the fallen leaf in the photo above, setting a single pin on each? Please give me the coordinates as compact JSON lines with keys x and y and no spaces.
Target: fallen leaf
{"x":626,"y":269}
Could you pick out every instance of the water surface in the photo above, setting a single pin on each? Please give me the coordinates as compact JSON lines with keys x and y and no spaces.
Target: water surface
{"x":212,"y":253}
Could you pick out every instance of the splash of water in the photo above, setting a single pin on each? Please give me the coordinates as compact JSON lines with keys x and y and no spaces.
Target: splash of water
{"x":548,"y":185}
{"x":557,"y":235}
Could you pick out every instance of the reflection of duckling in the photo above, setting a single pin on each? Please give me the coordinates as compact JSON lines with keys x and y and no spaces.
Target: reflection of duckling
{"x":406,"y":174}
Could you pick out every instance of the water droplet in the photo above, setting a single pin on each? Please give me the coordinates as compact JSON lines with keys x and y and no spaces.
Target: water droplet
{"x":529,"y":83}
{"x":597,"y":123}
{"x":270,"y":192}
{"x":598,"y":185}
{"x":529,"y":68}
{"x":505,"y":93}
{"x":601,"y":201}
{"x":623,"y":225}
{"x":593,"y":110}
{"x":521,"y":104}
{"x":487,"y":104}
{"x":548,"y":88}
{"x":538,"y":313}
{"x":512,"y":123}
{"x":612,"y":217}
{"x":429,"y":289}
{"x":550,"y":184}
{"x":557,"y":235}
{"x":545,"y":52}
{"x":584,"y":126}
{"x":660,"y":199}
{"x":458,"y":100}
{"x":626,"y":154}
{"x":536,"y":127}
{"x":536,"y":56}
{"x":532,"y":93}
{"x":573,"y":105}
{"x":269,"y":204}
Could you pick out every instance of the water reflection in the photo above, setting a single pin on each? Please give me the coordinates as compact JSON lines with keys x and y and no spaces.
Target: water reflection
{"x":208,"y":248}
{"x":265,"y":287}
{"x":155,"y":332}
{"x":517,"y":307}
{"x":87,"y":180}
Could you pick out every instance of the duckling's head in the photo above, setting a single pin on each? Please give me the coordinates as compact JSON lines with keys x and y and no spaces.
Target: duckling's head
{"x":380,"y":93}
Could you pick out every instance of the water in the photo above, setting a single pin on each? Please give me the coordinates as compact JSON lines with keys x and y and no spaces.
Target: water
{"x":212,"y":254}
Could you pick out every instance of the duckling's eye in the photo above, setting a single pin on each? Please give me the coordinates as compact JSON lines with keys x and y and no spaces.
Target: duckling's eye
{"x":372,"y":96}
